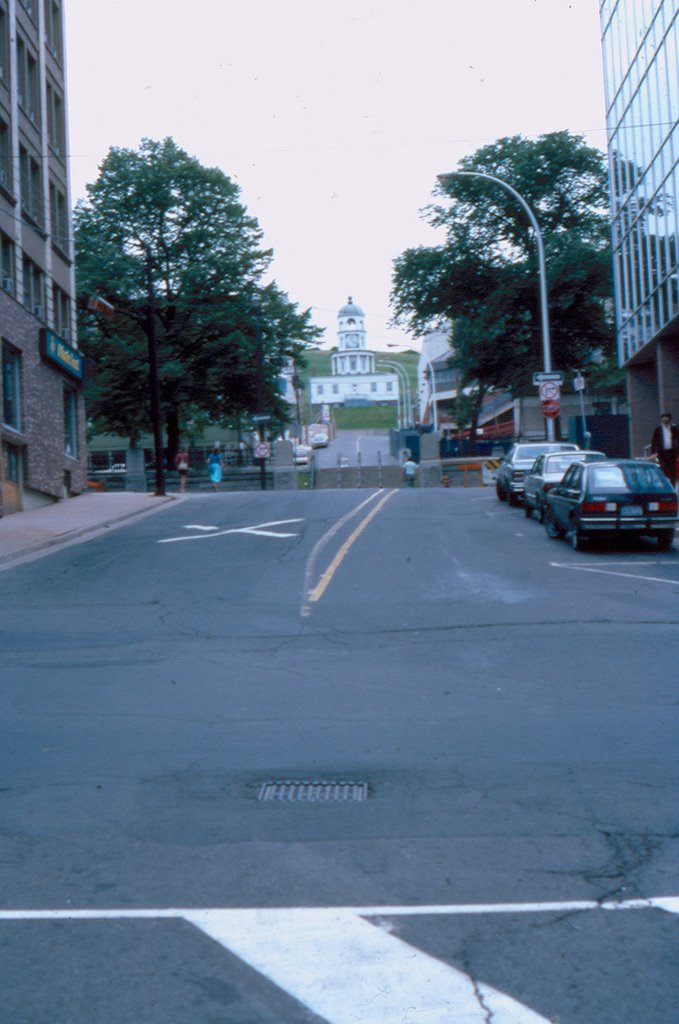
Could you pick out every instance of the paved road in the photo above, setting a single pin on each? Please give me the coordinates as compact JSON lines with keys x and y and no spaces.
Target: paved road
{"x":509,"y":704}
{"x":350,"y":446}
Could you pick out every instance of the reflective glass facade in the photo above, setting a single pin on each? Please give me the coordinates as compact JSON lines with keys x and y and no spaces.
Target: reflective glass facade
{"x":641,"y":68}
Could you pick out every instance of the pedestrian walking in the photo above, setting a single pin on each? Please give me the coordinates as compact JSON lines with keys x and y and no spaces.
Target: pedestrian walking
{"x":214,"y":465}
{"x":409,"y":471}
{"x":665,"y":447}
{"x":181,"y":464}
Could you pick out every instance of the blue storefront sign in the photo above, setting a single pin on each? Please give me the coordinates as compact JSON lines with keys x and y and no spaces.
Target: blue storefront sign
{"x":56,"y":351}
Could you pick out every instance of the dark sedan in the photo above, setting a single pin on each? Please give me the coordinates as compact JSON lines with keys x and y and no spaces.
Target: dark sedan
{"x":608,"y":499}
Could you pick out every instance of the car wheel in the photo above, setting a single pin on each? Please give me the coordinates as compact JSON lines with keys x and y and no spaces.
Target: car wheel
{"x":554,"y":531}
{"x":500,"y":493}
{"x":527,"y":509}
{"x":512,"y":499}
{"x":541,"y":513}
{"x":576,"y":538}
{"x":665,"y":540}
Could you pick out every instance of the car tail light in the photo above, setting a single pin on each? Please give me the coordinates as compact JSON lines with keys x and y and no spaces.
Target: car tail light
{"x":589,"y":507}
{"x":663,"y":506}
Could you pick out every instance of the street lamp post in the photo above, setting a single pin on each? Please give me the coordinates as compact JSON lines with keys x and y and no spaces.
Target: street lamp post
{"x":404,"y":416}
{"x":544,"y":310}
{"x":434,"y":411}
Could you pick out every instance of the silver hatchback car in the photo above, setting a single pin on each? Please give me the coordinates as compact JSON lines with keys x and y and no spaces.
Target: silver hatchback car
{"x":545,"y":473}
{"x":517,"y":462}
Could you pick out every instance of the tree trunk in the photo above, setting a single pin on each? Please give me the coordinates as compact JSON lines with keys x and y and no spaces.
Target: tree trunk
{"x":172,"y":426}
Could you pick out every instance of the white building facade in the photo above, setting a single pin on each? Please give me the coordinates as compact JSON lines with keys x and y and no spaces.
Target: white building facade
{"x":355,"y":379}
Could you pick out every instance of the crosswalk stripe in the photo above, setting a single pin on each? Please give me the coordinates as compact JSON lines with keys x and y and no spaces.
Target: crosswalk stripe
{"x":346,"y":969}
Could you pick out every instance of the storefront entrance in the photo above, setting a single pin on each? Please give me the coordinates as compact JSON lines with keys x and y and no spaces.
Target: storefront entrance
{"x":12,"y":477}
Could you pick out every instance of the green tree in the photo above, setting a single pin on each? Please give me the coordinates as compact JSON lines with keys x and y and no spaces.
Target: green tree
{"x":167,"y":241}
{"x":483,"y":279}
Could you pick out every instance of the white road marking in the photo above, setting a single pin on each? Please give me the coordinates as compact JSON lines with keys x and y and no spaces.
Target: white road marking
{"x":260,"y":530}
{"x":310,"y":568}
{"x":579,"y":567}
{"x":347,"y":969}
{"x":195,"y":526}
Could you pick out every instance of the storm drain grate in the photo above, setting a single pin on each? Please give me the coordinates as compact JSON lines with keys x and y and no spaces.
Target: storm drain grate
{"x":313,"y":792}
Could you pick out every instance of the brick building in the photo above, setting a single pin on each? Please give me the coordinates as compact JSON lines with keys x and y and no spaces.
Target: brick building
{"x":42,"y":418}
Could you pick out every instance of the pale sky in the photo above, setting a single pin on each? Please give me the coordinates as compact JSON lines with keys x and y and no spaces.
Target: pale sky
{"x":333,"y":116}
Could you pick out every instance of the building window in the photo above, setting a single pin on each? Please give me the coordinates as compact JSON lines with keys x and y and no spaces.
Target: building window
{"x":4,"y":46}
{"x":5,"y":156}
{"x":335,"y":389}
{"x":70,"y":422}
{"x":62,"y":313}
{"x":390,"y":386}
{"x":27,"y":80}
{"x":319,"y":389}
{"x":34,"y":288}
{"x":11,"y":387}
{"x":31,"y":187}
{"x":56,"y":131}
{"x":53,"y":33}
{"x":6,"y":263}
{"x":373,"y":386}
{"x":58,"y":218}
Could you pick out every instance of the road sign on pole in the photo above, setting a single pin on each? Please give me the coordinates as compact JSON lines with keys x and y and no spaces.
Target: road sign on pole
{"x":550,"y":390}
{"x":556,"y":375}
{"x":551,"y":409}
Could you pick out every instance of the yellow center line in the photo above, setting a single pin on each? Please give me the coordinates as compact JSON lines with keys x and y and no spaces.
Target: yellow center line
{"x":320,"y":588}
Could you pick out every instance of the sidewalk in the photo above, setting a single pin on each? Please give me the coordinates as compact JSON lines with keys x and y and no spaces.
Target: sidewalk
{"x":25,"y":533}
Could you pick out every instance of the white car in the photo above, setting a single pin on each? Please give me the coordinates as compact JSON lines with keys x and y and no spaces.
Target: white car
{"x":302,"y":454}
{"x":319,"y":439}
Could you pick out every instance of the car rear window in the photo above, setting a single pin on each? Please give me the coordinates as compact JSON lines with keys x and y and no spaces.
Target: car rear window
{"x":606,"y":478}
{"x":560,"y":464}
{"x":640,"y":477}
{"x":645,"y":477}
{"x":534,"y":450}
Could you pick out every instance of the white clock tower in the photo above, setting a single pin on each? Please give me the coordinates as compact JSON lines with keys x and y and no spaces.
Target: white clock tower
{"x":354,"y":379}
{"x":352,"y":356}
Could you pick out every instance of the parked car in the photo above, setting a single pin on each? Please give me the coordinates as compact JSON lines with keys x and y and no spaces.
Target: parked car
{"x":546,"y":472}
{"x":518,"y":460}
{"x":302,"y":454}
{"x":609,"y":499}
{"x":319,"y":438}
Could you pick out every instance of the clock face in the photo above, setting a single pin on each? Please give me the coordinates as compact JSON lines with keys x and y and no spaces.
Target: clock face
{"x":352,"y":341}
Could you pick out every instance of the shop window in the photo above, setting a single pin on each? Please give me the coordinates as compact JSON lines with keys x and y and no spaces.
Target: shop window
{"x":70,"y":422}
{"x":11,"y":387}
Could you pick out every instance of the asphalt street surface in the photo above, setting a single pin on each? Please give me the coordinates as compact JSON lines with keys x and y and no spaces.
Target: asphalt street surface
{"x":508,"y":705}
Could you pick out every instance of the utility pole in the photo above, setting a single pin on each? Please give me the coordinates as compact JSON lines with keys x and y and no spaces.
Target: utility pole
{"x":154,"y":380}
{"x":260,"y":388}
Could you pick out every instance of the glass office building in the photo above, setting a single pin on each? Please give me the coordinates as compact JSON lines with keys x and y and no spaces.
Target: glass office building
{"x":641,"y":69}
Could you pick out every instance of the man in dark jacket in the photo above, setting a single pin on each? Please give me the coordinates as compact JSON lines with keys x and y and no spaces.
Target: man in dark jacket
{"x":665,"y":446}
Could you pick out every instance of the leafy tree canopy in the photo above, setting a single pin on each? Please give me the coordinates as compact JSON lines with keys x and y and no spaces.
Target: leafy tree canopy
{"x":483,"y":279}
{"x":160,"y":231}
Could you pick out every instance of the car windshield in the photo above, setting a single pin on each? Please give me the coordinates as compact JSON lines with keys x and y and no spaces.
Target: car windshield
{"x":532,"y":451}
{"x":641,"y":477}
